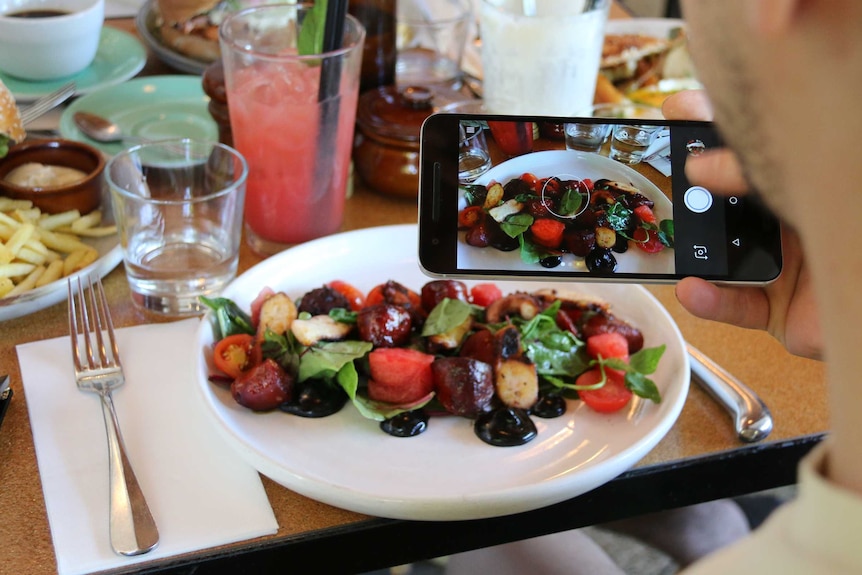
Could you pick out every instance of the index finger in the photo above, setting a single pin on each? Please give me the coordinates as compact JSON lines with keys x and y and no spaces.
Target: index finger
{"x":688,"y":105}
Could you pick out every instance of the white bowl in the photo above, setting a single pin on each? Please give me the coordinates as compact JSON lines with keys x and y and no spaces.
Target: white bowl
{"x":52,"y":47}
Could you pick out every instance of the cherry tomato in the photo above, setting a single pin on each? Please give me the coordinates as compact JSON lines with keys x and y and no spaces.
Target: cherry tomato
{"x":532,"y":181}
{"x":236,"y":353}
{"x":611,"y":397}
{"x":647,"y":240}
{"x":469,"y":217}
{"x":375,"y":296}
{"x":352,"y":293}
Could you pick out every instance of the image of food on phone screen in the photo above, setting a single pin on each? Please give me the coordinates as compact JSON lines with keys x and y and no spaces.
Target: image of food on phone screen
{"x":594,"y":197}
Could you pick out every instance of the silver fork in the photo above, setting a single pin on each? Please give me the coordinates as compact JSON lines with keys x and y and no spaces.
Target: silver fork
{"x":98,"y":369}
{"x":47,"y":103}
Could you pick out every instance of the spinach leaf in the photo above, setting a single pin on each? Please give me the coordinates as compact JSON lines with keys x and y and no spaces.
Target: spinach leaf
{"x":516,"y":224}
{"x":324,"y":360}
{"x":446,"y":315}
{"x":230,"y":319}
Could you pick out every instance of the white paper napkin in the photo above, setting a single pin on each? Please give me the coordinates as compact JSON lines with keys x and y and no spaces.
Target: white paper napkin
{"x":201,"y":493}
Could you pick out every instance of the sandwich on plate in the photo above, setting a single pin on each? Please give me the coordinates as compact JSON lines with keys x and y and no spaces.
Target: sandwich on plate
{"x":190,"y":27}
{"x":11,"y":127}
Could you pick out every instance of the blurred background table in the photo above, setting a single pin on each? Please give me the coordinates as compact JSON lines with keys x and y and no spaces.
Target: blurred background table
{"x":700,"y":458}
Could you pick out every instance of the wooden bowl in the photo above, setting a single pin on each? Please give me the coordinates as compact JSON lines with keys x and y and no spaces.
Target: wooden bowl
{"x":83,"y":195}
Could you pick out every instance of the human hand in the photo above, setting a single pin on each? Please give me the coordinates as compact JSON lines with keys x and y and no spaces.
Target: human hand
{"x":785,"y":308}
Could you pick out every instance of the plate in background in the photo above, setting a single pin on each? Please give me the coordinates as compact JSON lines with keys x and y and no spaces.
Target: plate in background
{"x":119,"y":57}
{"x":145,"y":22}
{"x":151,"y":107}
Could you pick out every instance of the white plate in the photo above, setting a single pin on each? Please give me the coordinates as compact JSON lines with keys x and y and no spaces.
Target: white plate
{"x":145,"y":22}
{"x":446,"y":473}
{"x":581,"y":165}
{"x":655,"y":27}
{"x":119,"y":57}
{"x":110,"y":254}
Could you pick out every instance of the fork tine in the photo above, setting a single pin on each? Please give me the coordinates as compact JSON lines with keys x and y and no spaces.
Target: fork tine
{"x":86,"y":327}
{"x":97,"y":324}
{"x":73,"y":327}
{"x":109,"y":323}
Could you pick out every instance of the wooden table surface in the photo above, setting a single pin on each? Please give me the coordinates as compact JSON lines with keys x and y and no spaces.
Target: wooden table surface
{"x":793,"y":388}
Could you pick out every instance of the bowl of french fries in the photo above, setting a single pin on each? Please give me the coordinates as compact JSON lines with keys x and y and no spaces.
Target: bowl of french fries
{"x":57,"y":175}
{"x":38,"y":250}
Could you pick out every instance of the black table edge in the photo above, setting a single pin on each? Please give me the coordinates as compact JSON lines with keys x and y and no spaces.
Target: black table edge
{"x":379,"y":543}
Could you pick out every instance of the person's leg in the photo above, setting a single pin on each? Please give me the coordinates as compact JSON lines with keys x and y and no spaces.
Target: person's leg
{"x":566,"y":553}
{"x":688,"y":533}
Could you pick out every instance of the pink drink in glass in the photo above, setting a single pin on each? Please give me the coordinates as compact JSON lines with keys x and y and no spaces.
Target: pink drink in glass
{"x":276,"y":123}
{"x":295,"y":134}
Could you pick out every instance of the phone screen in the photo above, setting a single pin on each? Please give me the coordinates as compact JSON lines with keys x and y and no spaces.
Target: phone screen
{"x":583,"y":197}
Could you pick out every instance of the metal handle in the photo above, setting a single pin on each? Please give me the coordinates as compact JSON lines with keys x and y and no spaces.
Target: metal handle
{"x":133,"y":530}
{"x":751,"y":417}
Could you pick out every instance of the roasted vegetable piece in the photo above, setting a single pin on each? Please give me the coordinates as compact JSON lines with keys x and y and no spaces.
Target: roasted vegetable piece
{"x":516,"y":382}
{"x":322,"y":300}
{"x":230,"y":319}
{"x":384,"y":325}
{"x":319,"y":328}
{"x":277,"y":313}
{"x":399,"y":376}
{"x":507,"y":342}
{"x":517,"y":304}
{"x":450,"y":339}
{"x":464,"y":386}
{"x":263,"y":387}
{"x":480,"y":345}
{"x":436,"y":291}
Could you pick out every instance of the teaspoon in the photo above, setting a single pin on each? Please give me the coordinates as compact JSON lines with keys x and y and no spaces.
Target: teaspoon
{"x":100,"y":129}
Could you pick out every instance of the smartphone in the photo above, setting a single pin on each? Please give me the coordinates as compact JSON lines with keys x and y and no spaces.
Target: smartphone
{"x":584,"y":198}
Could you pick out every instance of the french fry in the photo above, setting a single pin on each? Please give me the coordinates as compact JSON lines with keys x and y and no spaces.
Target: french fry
{"x":15,"y":270}
{"x":78,"y":260}
{"x":37,"y":249}
{"x":8,"y":204}
{"x":20,"y":237}
{"x":91,"y":220}
{"x":65,"y":243}
{"x":28,"y":216}
{"x":53,"y":272}
{"x":54,"y":221}
{"x":99,"y":232}
{"x":27,"y":283}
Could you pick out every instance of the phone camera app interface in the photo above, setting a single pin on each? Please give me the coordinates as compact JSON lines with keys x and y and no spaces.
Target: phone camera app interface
{"x":593,"y":198}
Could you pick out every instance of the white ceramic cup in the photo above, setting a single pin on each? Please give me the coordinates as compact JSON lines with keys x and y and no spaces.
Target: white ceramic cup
{"x":52,"y":47}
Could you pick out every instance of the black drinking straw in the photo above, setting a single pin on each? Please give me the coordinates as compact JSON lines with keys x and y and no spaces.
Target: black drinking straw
{"x":330,"y":79}
{"x":333,"y":38}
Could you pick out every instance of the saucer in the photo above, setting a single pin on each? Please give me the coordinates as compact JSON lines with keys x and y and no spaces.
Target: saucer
{"x":119,"y":57}
{"x":151,"y":107}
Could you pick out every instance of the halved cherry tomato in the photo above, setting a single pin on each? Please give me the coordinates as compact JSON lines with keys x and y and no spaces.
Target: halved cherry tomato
{"x":611,"y":397}
{"x":647,"y":240}
{"x":469,"y":217}
{"x":351,"y":292}
{"x":236,"y":353}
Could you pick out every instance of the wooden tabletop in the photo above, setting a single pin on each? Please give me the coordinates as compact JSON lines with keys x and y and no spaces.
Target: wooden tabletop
{"x":793,"y":388}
